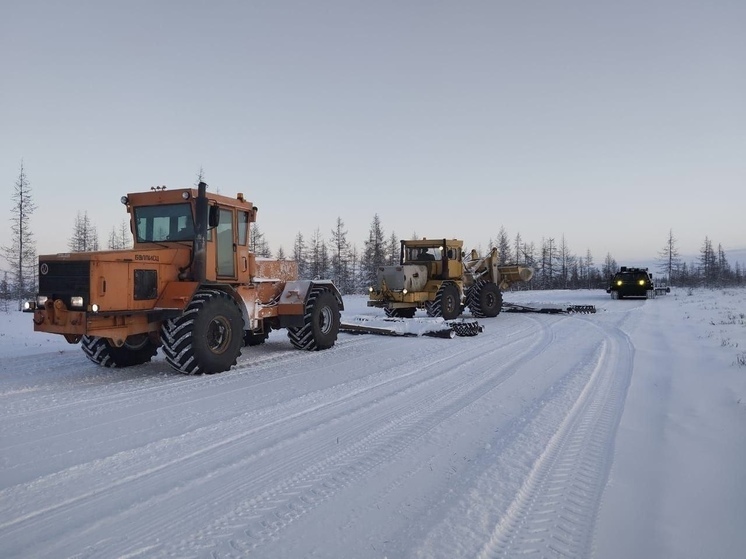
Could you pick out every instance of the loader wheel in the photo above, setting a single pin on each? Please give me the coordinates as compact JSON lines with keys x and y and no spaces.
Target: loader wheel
{"x":321,"y":322}
{"x":400,"y":313}
{"x":207,"y":337}
{"x":137,"y":349}
{"x":485,"y":300}
{"x":447,"y":302}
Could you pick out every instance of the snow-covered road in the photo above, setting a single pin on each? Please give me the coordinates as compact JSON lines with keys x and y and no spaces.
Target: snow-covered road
{"x":498,"y":445}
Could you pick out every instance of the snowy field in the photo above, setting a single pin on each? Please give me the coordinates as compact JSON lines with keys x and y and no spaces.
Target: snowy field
{"x":620,"y":434}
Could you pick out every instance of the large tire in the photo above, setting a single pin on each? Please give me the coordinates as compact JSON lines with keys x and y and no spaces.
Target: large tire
{"x":320,"y":322}
{"x":137,"y":349}
{"x":485,"y":300}
{"x":207,"y":337}
{"x":447,"y":302}
{"x":400,"y":313}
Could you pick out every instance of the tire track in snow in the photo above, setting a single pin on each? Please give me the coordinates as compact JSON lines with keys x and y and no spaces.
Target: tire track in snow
{"x":375,"y":421}
{"x":137,"y":394}
{"x":553,"y":513}
{"x":261,"y":520}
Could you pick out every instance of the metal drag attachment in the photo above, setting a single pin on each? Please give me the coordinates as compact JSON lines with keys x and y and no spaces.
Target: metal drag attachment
{"x":550,"y":309}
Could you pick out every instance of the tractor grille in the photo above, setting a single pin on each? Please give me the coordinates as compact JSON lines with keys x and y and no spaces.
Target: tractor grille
{"x":62,"y":280}
{"x":146,"y":285}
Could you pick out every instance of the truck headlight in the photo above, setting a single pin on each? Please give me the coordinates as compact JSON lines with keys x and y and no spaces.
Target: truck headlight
{"x":76,"y":301}
{"x":370,"y":290}
{"x":619,"y":283}
{"x":94,"y":307}
{"x":641,"y":282}
{"x":29,"y":305}
{"x":404,"y":291}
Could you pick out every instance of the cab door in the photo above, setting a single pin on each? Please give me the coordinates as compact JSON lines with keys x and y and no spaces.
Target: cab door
{"x":226,"y":245}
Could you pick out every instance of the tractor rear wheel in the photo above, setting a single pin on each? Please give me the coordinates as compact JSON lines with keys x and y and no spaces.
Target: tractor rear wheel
{"x":485,"y":300}
{"x":400,"y":313}
{"x":137,"y":349}
{"x":207,"y":337}
{"x":320,"y":322}
{"x":447,"y":302}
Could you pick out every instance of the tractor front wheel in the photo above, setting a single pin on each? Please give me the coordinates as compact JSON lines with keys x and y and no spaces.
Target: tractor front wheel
{"x":447,"y":302}
{"x":207,"y":337}
{"x":137,"y":349}
{"x":400,"y":313}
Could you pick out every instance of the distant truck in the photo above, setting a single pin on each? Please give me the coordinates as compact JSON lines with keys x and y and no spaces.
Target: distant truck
{"x":634,"y":282}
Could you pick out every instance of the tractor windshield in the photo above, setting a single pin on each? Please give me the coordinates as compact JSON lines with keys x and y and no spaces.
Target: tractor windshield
{"x":169,"y":222}
{"x":422,"y":254}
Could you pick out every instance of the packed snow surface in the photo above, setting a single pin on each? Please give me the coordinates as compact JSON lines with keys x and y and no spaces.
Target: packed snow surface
{"x":613,"y":435}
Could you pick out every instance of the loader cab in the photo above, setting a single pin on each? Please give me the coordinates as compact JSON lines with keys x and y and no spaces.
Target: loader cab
{"x":442,"y":257}
{"x":423,"y":254}
{"x":452,"y":262}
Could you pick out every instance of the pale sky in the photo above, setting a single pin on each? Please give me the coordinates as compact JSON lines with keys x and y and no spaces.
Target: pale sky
{"x":607,"y":122}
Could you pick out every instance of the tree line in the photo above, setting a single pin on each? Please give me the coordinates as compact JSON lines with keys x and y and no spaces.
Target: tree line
{"x":555,"y":265}
{"x":353,"y":268}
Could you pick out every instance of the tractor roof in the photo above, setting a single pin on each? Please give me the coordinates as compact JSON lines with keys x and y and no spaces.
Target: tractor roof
{"x":454,"y":243}
{"x":160,"y":195}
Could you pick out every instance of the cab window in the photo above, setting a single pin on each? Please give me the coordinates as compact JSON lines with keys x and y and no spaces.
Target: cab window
{"x":243,"y":228}
{"x":168,"y":222}
{"x":225,"y":252}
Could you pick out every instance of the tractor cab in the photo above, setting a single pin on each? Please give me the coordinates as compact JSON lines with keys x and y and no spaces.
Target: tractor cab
{"x":438,"y":255}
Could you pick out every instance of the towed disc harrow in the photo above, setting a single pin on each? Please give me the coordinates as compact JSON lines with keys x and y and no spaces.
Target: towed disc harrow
{"x":550,"y":309}
{"x":437,"y":327}
{"x":434,"y":327}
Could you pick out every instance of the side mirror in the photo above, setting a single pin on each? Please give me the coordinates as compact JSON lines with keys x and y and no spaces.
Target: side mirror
{"x":213,"y":219}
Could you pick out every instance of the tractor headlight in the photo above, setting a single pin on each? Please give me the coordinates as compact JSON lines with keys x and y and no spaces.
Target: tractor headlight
{"x":94,"y":307}
{"x":41,"y":300}
{"x":641,"y":282}
{"x":76,"y":301}
{"x":619,"y":283}
{"x":185,"y":195}
{"x":370,"y":290}
{"x":29,"y":305}
{"x":404,"y":291}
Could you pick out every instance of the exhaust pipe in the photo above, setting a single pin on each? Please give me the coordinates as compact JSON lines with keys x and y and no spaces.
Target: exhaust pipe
{"x":199,"y":256}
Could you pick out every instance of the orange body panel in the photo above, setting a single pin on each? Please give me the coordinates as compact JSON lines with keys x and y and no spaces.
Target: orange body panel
{"x":176,"y":295}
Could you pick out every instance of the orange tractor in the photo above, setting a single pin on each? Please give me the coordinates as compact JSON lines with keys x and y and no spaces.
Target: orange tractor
{"x":190,"y":285}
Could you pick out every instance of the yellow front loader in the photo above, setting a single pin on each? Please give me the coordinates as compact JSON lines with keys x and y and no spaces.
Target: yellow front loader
{"x":437,"y":276}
